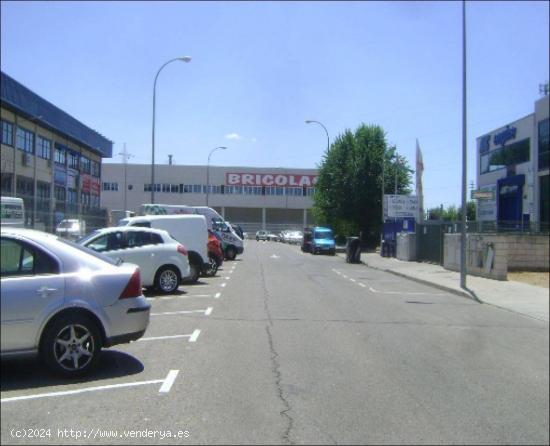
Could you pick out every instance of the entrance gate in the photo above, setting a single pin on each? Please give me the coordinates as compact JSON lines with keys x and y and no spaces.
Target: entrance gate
{"x":429,"y":240}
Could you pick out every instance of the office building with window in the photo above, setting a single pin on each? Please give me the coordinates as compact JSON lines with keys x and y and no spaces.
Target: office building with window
{"x":255,"y":198}
{"x":513,"y":165}
{"x":49,"y":158}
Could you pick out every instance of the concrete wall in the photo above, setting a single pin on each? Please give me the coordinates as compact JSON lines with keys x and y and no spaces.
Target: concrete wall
{"x":486,"y":255}
{"x":528,"y":252}
{"x":492,"y":256}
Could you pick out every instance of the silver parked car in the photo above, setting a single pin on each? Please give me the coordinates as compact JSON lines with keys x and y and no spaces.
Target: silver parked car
{"x":65,"y":301}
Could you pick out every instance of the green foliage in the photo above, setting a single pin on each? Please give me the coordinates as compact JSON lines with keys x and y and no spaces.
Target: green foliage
{"x":452,"y":213}
{"x":348,"y":194}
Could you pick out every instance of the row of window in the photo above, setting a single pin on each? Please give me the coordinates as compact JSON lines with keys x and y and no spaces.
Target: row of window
{"x":223,"y":190}
{"x":24,"y":140}
{"x":61,"y":194}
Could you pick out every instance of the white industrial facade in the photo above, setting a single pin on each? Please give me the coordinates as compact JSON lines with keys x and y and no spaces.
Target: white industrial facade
{"x":513,"y":164}
{"x":254,"y":197}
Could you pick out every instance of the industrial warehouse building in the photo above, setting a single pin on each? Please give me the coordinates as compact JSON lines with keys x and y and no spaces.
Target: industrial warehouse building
{"x":49,"y":159}
{"x":255,"y":198}
{"x":513,"y":167}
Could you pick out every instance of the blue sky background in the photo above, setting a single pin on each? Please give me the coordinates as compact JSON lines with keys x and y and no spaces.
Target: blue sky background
{"x":260,"y":69}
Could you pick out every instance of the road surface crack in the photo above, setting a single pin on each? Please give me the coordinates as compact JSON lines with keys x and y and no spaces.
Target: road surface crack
{"x":275,"y":365}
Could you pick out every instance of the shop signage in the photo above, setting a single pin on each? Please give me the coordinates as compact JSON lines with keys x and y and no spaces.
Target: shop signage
{"x":95,"y":185}
{"x":267,"y":179}
{"x":86,"y":183}
{"x":400,"y":206}
{"x":484,"y":142}
{"x":487,"y":208}
{"x":506,"y":135}
{"x":482,"y":195}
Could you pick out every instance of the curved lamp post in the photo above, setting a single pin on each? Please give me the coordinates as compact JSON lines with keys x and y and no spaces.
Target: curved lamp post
{"x":208,"y":170}
{"x":309,"y":121}
{"x":182,"y":59}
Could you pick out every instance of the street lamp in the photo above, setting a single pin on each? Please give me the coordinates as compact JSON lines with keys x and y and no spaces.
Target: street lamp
{"x":182,"y":59}
{"x":208,"y":170}
{"x":309,"y":121}
{"x":125,"y":157}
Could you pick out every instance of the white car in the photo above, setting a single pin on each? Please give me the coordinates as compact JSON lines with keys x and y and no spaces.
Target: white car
{"x":295,"y":237}
{"x":71,"y":229}
{"x":163,"y":261}
{"x":65,"y":302}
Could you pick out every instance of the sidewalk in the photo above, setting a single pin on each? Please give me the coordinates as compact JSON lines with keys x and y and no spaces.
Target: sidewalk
{"x":522,"y":298}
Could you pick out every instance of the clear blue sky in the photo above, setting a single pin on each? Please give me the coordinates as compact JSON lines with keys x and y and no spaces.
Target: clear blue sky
{"x":260,"y":69}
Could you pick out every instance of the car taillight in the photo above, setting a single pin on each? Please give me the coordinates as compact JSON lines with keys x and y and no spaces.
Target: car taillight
{"x":182,"y":250}
{"x":133,"y":289}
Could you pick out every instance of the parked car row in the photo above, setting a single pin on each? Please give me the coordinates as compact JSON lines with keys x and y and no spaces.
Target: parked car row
{"x":65,"y":300}
{"x":286,"y":236}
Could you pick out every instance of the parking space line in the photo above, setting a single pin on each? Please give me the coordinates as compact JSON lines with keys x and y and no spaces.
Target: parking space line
{"x":195,"y":335}
{"x":217,"y":295}
{"x":169,"y":381}
{"x":361,"y":284}
{"x":223,"y":285}
{"x":353,"y":280}
{"x":159,"y":338}
{"x":171,"y":313}
{"x":77,"y":391}
{"x":208,"y":311}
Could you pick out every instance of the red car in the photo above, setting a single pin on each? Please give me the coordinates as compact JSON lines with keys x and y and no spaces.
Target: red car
{"x":215,"y":254}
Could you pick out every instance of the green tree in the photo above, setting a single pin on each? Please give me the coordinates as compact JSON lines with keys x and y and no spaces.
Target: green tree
{"x":452,"y":213}
{"x":348,"y":194}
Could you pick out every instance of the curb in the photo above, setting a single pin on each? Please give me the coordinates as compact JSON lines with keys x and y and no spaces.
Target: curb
{"x":460,"y":293}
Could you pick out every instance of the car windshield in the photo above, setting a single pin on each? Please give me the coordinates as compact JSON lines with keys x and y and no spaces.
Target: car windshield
{"x":323,"y":235}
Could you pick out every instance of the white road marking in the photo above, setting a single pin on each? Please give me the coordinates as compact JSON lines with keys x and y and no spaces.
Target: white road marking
{"x":170,"y":313}
{"x":275,"y":256}
{"x":217,"y":295}
{"x":227,"y":278}
{"x":168,"y":381}
{"x":361,"y":284}
{"x":223,"y":284}
{"x":353,"y":280}
{"x":159,"y":338}
{"x":344,"y":276}
{"x":74,"y":392}
{"x":208,"y":311}
{"x":195,"y":335}
{"x":408,"y":293}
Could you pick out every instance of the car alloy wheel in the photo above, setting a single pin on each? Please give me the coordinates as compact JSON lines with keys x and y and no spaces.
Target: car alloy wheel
{"x":71,"y":345}
{"x":167,"y":280}
{"x":212,"y":268}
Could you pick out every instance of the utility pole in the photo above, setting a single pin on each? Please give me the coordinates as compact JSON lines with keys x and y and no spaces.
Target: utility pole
{"x":125,"y":157}
{"x":464,"y":154}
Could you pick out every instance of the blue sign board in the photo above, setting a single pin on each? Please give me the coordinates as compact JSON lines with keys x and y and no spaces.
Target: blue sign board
{"x":506,"y":135}
{"x":484,"y":142}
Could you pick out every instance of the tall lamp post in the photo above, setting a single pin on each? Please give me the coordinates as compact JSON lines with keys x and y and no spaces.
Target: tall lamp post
{"x":208,"y":170}
{"x":125,"y":157}
{"x":182,"y":59}
{"x":309,"y":121}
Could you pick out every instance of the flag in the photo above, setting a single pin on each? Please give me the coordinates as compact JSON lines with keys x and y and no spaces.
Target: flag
{"x":419,"y":172}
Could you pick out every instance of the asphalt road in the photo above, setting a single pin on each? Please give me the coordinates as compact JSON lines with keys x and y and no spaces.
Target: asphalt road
{"x":284,"y":347}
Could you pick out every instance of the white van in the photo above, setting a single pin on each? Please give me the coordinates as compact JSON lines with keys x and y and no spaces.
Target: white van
{"x":12,"y":212}
{"x":232,"y":243}
{"x":190,"y":230}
